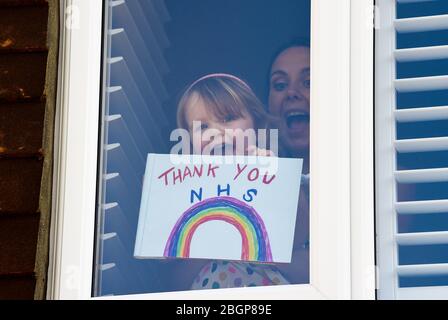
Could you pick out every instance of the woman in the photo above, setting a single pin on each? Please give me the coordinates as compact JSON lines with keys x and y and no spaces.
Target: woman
{"x":289,"y":103}
{"x":289,"y":99}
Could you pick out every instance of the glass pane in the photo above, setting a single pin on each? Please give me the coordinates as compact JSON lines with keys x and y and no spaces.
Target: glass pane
{"x":224,"y":81}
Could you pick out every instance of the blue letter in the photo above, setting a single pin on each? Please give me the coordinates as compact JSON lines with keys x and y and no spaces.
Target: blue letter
{"x":223,"y":190}
{"x":194,"y":193}
{"x":250,"y":197}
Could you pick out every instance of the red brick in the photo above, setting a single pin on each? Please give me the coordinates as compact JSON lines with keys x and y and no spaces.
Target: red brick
{"x":20,"y":185}
{"x":21,"y":127}
{"x":23,"y":29}
{"x":17,"y":287}
{"x":18,"y":241}
{"x":23,"y":3}
{"x":22,"y":76}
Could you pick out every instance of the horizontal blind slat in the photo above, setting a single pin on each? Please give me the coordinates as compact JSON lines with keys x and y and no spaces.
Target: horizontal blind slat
{"x":422,"y":175}
{"x":107,"y":266}
{"x":422,"y":114}
{"x":421,"y":54}
{"x":421,"y":84}
{"x":422,"y":24}
{"x":423,"y":293}
{"x":116,"y":3}
{"x":422,"y":145}
{"x":422,"y":238}
{"x":422,"y":207}
{"x":108,"y":236}
{"x":110,"y":206}
{"x":423,"y":270}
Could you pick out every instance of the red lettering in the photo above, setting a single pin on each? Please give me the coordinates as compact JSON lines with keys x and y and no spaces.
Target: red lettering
{"x":165,"y":175}
{"x":212,"y":170}
{"x":187,"y":173}
{"x":174,"y":175}
{"x":250,"y":175}
{"x":238,"y":168}
{"x":198,"y":171}
{"x":265,"y":178}
{"x":177,"y":177}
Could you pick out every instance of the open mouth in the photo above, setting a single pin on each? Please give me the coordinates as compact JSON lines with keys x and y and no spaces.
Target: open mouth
{"x":295,"y":119}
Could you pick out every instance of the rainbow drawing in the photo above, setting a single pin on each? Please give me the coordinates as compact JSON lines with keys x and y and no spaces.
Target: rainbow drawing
{"x":255,"y":240}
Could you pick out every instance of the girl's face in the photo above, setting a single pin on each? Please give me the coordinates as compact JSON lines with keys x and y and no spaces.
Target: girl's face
{"x":213,"y":133}
{"x":289,"y":98}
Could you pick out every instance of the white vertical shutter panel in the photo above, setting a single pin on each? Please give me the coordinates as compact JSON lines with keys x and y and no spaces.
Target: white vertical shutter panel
{"x":387,"y":147}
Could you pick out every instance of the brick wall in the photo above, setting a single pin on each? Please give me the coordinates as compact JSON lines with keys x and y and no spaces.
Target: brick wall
{"x":23,"y":65}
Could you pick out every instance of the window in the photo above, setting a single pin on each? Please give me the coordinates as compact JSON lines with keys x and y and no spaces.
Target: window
{"x":411,"y":161}
{"x":156,"y":50}
{"x":341,"y":255}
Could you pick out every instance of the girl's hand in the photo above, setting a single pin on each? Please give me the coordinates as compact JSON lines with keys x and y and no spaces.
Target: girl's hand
{"x":254,"y":151}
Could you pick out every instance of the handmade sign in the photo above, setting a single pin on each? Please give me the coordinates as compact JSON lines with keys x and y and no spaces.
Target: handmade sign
{"x":233,"y":210}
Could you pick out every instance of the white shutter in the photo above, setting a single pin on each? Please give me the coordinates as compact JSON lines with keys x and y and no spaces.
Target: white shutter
{"x":388,"y":147}
{"x":133,"y":121}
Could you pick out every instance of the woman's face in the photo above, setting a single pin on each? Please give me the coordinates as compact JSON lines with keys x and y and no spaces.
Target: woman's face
{"x":213,"y":133}
{"x":289,"y":98}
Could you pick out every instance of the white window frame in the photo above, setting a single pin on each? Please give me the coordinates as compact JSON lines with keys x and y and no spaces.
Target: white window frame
{"x":342,"y":197}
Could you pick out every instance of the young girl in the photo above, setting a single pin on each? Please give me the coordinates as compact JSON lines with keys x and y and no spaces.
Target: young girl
{"x":217,"y":109}
{"x":227,"y":105}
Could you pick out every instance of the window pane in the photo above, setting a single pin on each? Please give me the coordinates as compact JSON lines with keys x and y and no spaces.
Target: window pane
{"x":230,"y":65}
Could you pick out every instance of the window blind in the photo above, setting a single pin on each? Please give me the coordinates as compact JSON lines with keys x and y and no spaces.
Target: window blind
{"x":133,"y":124}
{"x":411,"y":149}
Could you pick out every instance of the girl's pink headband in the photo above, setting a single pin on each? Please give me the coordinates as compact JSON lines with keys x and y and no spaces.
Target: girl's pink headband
{"x":219,"y":75}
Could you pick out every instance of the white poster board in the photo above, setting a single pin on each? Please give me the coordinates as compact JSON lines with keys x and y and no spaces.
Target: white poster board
{"x":226,"y":208}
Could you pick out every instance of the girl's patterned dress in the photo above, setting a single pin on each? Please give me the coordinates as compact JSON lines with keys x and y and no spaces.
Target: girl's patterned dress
{"x":227,"y":274}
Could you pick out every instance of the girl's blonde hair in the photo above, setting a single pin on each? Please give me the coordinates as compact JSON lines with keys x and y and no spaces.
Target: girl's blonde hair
{"x":228,"y":96}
